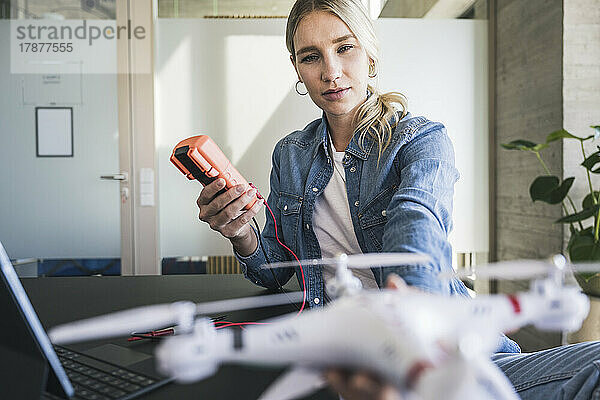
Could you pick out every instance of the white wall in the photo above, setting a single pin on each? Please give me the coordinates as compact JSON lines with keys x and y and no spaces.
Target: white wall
{"x":441,"y":66}
{"x":58,"y":207}
{"x":232,"y":80}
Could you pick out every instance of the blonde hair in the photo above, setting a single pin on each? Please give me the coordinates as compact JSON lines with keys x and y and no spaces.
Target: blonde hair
{"x":374,"y":115}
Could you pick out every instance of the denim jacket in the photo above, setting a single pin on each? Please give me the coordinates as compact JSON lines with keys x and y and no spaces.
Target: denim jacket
{"x":399,"y":202}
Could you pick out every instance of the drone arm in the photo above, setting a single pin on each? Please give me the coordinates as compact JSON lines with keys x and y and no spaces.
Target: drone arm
{"x":125,"y":322}
{"x":194,"y":356}
{"x":499,"y":313}
{"x":555,"y":308}
{"x":280,"y":343}
{"x":559,"y":309}
{"x":318,"y":338}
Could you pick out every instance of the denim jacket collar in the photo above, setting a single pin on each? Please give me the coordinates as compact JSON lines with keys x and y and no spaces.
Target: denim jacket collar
{"x":353,"y":148}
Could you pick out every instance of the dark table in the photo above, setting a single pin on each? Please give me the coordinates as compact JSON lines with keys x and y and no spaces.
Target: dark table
{"x":59,"y":300}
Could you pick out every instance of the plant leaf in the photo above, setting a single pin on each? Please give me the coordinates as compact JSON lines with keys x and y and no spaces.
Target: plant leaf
{"x":589,"y":231}
{"x":523,"y":145}
{"x":549,"y":189}
{"x":588,"y":202}
{"x":580,"y":216}
{"x":591,"y":161}
{"x":584,"y":248}
{"x":597,"y":133}
{"x":561,"y":134}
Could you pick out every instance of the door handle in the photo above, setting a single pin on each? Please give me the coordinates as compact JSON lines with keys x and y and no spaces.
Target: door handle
{"x":116,"y":177}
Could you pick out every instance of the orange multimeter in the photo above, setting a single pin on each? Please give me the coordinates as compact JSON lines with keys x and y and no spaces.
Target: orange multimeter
{"x":200,"y":158}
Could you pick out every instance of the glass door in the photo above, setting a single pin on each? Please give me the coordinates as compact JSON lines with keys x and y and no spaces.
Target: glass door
{"x":60,"y":177}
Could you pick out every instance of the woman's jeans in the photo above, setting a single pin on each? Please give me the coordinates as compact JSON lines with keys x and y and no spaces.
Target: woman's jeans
{"x":566,"y":372}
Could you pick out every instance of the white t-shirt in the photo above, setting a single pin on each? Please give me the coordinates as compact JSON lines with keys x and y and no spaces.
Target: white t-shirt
{"x":332,"y":222}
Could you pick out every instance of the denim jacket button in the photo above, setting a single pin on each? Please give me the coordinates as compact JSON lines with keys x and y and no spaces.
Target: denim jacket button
{"x":356,"y":203}
{"x":384,"y":213}
{"x":315,"y":189}
{"x":316,"y":300}
{"x":353,"y":169}
{"x":285,"y":208}
{"x":307,"y":226}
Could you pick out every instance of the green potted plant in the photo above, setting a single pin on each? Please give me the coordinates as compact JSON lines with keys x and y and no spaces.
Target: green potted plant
{"x":584,"y":244}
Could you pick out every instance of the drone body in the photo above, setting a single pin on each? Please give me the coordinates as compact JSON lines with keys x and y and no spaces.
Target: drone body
{"x":428,"y":346}
{"x":414,"y":341}
{"x":347,"y":333}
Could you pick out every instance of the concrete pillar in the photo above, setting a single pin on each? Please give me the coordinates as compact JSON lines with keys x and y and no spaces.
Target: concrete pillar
{"x":528,"y":106}
{"x":547,"y":76}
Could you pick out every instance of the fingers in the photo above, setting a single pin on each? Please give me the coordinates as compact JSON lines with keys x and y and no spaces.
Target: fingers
{"x":210,"y":191}
{"x":336,"y":380}
{"x":231,"y":219}
{"x":234,"y":227}
{"x":364,"y":386}
{"x":389,"y":393}
{"x":211,"y":203}
{"x":360,"y":386}
{"x":395,"y":282}
{"x":222,"y":200}
{"x":224,"y":211}
{"x":233,"y":209}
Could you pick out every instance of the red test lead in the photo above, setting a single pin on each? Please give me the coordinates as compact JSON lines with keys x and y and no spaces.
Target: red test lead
{"x":199,"y":157}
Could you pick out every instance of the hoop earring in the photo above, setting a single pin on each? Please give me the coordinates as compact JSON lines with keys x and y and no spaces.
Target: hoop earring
{"x":297,"y":91}
{"x":372,"y":70}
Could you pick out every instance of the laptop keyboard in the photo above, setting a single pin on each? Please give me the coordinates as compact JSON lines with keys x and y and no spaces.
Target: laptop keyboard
{"x":96,"y":380}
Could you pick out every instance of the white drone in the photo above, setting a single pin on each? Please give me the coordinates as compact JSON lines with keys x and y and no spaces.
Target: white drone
{"x":427,"y":346}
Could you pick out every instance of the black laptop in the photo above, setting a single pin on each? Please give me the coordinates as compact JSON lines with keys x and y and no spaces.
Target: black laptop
{"x":32,"y":368}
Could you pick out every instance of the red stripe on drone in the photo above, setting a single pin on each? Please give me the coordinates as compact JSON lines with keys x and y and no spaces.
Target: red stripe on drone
{"x":415,"y":371}
{"x":515,"y":303}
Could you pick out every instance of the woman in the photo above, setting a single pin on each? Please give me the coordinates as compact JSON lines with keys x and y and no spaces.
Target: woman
{"x":366,"y":177}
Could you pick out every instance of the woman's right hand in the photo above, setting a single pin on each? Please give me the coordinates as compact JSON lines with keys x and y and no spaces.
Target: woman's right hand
{"x":225,"y":213}
{"x":360,"y":386}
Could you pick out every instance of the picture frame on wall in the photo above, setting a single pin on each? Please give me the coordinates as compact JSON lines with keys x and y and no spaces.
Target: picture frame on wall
{"x":54,"y":131}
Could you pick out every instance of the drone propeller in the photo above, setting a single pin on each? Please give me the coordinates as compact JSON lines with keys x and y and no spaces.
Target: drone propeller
{"x":518,"y":269}
{"x":245,"y":303}
{"x":358,"y":261}
{"x":585,"y":267}
{"x":524,"y":269}
{"x":121,"y":322}
{"x":146,"y":318}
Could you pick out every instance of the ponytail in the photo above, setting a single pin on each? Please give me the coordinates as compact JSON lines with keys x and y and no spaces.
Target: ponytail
{"x":377,"y":117}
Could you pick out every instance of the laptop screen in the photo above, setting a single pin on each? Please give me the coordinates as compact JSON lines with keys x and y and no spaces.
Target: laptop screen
{"x":25,"y":349}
